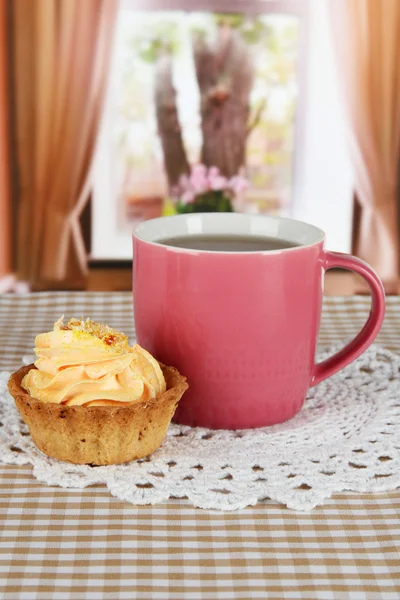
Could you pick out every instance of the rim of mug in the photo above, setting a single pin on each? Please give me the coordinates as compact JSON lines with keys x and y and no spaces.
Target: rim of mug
{"x":138,"y":233}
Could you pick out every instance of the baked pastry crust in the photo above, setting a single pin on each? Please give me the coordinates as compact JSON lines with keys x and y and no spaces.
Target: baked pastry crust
{"x":99,"y":435}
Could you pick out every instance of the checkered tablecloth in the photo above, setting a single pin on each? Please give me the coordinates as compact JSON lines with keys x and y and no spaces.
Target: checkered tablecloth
{"x":84,"y":544}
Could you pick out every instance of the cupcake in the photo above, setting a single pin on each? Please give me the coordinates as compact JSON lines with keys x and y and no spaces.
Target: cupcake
{"x":90,"y":398}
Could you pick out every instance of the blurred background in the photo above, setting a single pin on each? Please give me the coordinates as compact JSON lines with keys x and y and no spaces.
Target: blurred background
{"x":112,"y":112}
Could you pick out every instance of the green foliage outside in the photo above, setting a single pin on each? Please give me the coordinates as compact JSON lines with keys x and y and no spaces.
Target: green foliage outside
{"x":216,"y":201}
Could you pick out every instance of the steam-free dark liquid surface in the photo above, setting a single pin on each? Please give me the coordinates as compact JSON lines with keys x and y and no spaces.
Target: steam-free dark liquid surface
{"x":228,"y":243}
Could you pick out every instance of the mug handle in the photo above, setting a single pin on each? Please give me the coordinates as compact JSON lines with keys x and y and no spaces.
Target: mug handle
{"x":371,"y":328}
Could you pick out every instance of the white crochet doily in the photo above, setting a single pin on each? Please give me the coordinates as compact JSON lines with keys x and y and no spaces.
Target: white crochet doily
{"x":347,"y":437}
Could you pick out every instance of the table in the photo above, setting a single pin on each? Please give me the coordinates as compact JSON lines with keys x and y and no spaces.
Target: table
{"x":84,"y":544}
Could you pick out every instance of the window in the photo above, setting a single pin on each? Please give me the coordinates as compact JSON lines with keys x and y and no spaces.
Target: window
{"x":166,"y":108}
{"x":295,"y":150}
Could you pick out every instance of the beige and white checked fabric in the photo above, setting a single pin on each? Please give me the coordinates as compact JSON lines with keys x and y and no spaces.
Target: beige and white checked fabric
{"x":84,"y":544}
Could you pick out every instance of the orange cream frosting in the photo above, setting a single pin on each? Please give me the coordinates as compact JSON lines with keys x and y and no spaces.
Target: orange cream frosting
{"x":89,"y":364}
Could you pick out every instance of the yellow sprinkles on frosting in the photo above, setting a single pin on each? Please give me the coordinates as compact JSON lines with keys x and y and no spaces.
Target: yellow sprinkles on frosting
{"x":106,"y":334}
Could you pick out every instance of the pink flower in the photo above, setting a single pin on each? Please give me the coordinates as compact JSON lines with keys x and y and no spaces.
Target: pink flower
{"x":238,"y":184}
{"x":213,"y":172}
{"x":216,"y":181}
{"x":199,"y":169}
{"x":219,"y":183}
{"x":198,"y":179}
{"x":187,"y":197}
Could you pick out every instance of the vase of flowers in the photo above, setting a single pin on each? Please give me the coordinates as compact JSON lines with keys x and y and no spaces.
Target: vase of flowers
{"x":206,"y":190}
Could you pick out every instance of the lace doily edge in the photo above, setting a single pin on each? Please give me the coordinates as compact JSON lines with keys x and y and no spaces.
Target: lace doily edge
{"x":159,"y":496}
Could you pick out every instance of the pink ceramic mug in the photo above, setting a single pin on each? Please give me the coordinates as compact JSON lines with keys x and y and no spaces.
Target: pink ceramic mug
{"x":242,"y":326}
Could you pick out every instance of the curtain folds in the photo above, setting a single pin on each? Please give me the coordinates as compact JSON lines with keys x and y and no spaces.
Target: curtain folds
{"x":61,"y":51}
{"x":367,"y":40}
{"x":5,"y":192}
